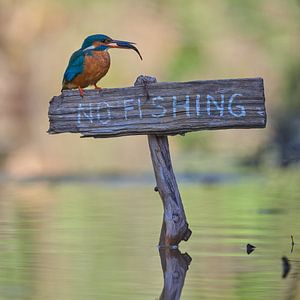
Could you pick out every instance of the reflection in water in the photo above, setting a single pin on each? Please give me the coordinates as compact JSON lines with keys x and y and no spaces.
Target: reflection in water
{"x":292,"y":283}
{"x":250,"y":248}
{"x":83,"y":241}
{"x":293,"y":244}
{"x":286,"y":266}
{"x":174,"y":266}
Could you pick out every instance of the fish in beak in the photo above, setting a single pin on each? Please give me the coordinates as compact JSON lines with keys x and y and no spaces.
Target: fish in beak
{"x":124,"y":45}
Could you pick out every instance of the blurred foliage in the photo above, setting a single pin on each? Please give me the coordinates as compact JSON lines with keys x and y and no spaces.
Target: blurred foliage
{"x":291,"y":92}
{"x":180,"y":65}
{"x":179,"y":40}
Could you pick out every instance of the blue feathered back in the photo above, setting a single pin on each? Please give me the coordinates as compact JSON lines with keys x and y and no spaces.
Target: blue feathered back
{"x":75,"y":66}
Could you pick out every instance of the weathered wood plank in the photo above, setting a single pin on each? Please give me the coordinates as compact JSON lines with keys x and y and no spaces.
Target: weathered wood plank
{"x":160,"y":108}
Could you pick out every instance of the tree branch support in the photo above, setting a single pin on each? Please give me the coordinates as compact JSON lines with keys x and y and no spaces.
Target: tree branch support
{"x":175,"y":227}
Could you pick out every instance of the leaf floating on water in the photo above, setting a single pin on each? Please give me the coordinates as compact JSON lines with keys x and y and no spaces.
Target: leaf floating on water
{"x":250,"y":248}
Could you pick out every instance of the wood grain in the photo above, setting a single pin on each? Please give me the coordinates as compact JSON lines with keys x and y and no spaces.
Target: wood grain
{"x":175,"y":227}
{"x":163,"y":108}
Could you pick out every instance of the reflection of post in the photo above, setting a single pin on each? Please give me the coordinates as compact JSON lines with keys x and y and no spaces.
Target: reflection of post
{"x":292,"y":285}
{"x":175,"y":227}
{"x":174,"y":266}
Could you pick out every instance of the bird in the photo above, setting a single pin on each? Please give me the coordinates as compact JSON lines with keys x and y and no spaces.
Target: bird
{"x":91,"y":62}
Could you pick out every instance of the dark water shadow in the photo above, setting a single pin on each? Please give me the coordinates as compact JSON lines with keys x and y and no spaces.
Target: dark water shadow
{"x":174,"y":266}
{"x":286,"y":267}
{"x":291,"y":273}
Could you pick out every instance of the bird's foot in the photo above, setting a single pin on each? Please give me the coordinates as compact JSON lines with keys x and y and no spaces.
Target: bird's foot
{"x":97,"y":87}
{"x":80,"y":89}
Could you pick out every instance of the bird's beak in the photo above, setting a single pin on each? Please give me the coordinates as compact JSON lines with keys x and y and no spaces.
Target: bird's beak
{"x":124,"y":45}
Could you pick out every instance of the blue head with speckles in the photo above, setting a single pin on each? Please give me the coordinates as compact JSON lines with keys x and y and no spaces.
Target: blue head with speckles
{"x":97,"y":40}
{"x":101,"y":42}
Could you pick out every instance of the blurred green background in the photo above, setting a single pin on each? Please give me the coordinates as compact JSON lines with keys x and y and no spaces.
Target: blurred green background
{"x":180,"y":41}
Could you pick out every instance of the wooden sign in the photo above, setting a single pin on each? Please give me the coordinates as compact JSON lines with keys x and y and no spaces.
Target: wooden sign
{"x":157,"y":110}
{"x":164,"y":108}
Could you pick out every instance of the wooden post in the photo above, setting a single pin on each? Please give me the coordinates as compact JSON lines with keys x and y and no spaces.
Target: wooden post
{"x":158,"y":109}
{"x":175,"y":227}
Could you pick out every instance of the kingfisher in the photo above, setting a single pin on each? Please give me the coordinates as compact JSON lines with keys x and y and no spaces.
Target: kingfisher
{"x":92,"y":61}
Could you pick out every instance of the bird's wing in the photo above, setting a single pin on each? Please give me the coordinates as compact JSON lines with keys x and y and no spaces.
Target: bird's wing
{"x":75,"y":66}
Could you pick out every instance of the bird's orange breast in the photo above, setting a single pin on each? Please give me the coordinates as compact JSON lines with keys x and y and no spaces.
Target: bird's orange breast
{"x":96,"y":66}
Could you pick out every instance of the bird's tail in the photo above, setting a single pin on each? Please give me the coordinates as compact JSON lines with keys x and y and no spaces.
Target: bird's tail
{"x":63,"y":85}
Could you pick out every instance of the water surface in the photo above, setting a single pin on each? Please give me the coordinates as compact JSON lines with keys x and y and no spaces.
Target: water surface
{"x":78,"y":240}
